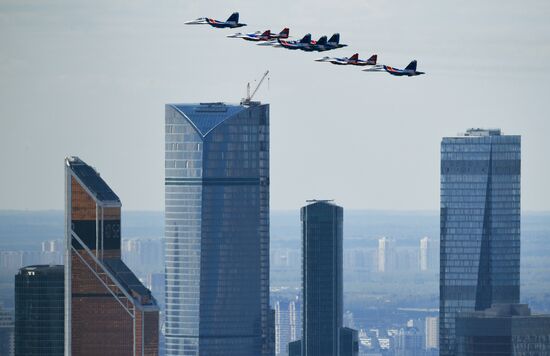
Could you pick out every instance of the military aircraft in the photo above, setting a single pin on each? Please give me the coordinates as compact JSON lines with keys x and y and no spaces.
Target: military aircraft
{"x":306,"y":44}
{"x":259,"y":36}
{"x":231,"y":22}
{"x":409,"y":71}
{"x":353,"y":60}
{"x":333,"y":43}
{"x":302,"y":44}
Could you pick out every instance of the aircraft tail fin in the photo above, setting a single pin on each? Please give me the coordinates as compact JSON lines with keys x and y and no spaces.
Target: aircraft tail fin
{"x":373,"y":59}
{"x":322,"y":41}
{"x":411,"y":66}
{"x":335,"y":38}
{"x":284,"y":33}
{"x":354,"y":57}
{"x":306,"y":38}
{"x":266,"y":33}
{"x":233,"y":18}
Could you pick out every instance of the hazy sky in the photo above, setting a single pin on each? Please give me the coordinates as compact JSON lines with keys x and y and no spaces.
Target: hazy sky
{"x":90,"y":78}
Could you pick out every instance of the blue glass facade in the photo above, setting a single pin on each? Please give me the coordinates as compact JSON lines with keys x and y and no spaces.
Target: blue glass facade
{"x":480,"y":225}
{"x":217,"y":230}
{"x":322,"y":283}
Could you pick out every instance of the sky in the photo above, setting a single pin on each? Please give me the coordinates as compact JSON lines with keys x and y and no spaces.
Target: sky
{"x":91,"y":78}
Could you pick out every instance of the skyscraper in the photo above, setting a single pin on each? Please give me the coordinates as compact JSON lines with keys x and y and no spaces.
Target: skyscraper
{"x":39,"y":296}
{"x":107,"y":309}
{"x":503,"y":330}
{"x":480,"y":225}
{"x":322,"y":282}
{"x":217,"y":229}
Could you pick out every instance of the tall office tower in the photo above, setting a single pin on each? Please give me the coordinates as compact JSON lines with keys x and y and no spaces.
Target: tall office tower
{"x":503,"y":330}
{"x":432,"y":332}
{"x":107,"y":309}
{"x":7,"y":338}
{"x":39,"y":298}
{"x":322,"y":282}
{"x":386,"y":254}
{"x":217,"y":229}
{"x":480,"y":225}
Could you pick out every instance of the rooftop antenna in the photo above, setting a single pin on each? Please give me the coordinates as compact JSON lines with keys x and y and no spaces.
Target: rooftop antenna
{"x":248,"y":100}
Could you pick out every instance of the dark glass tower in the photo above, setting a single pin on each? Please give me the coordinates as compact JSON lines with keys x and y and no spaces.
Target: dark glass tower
{"x":39,"y":296}
{"x":322,"y":285}
{"x":217,"y":230}
{"x":480,"y":225}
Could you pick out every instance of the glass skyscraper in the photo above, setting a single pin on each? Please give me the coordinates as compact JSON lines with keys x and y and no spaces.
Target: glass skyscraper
{"x":39,"y":296}
{"x":217,"y":229}
{"x":480,"y":225}
{"x":322,"y":282}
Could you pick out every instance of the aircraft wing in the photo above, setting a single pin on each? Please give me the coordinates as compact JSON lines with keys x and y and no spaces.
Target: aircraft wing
{"x":376,"y":68}
{"x":272,"y":43}
{"x":199,"y":21}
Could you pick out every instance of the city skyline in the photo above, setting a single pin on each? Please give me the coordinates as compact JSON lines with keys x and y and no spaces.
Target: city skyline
{"x":476,"y":78}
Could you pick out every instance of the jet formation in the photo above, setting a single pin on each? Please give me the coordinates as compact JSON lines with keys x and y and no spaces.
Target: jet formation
{"x":306,"y":44}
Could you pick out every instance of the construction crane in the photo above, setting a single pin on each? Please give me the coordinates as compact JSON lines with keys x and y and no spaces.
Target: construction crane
{"x":248,"y":100}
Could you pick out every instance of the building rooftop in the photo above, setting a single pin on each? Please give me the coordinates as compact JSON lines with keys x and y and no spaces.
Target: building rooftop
{"x":482,"y":132}
{"x":206,"y":116}
{"x":91,"y":179}
{"x":42,"y":270}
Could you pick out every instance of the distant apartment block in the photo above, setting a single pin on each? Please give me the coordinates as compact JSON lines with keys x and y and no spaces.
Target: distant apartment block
{"x":432,"y":333}
{"x":387,"y":257}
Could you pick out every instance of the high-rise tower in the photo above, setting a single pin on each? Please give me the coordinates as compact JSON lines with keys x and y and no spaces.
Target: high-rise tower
{"x":217,"y":229}
{"x":107,"y":309}
{"x":322,"y":282}
{"x":480,"y":225}
{"x":39,"y":311}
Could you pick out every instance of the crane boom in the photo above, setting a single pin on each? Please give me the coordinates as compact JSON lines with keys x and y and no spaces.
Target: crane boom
{"x":249,"y":96}
{"x":259,"y":84}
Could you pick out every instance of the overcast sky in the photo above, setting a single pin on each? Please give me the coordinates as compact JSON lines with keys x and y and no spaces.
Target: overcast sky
{"x":90,"y":78}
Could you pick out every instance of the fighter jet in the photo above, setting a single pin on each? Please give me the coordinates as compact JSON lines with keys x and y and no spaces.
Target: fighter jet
{"x":303,"y":44}
{"x":306,"y":44}
{"x":409,"y":71}
{"x":259,"y":36}
{"x":333,"y":43}
{"x":353,"y":60}
{"x":231,"y":22}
